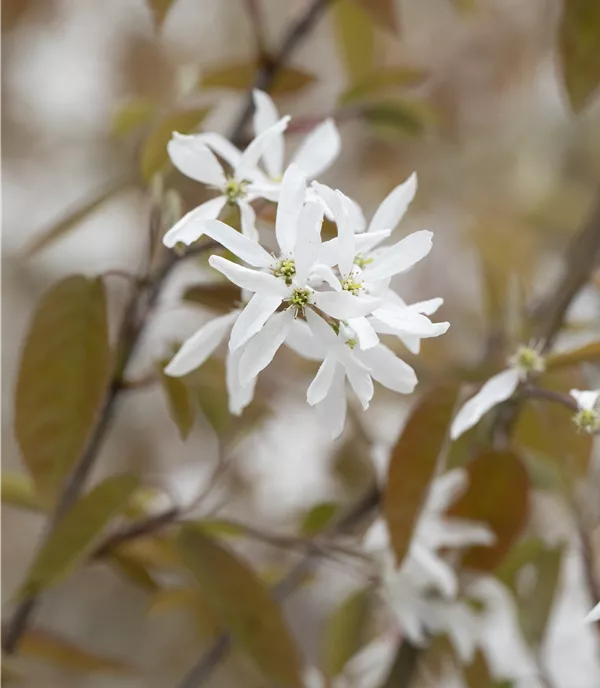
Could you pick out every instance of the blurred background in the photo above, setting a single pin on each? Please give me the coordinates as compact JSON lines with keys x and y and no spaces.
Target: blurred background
{"x":471,"y":95}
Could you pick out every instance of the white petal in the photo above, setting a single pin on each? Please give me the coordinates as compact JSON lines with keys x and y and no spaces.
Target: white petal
{"x":319,"y":149}
{"x":302,"y":342}
{"x":261,"y":349}
{"x":401,"y":256}
{"x":411,"y":342}
{"x":331,"y":412}
{"x":308,"y":240}
{"x":344,"y":305}
{"x":585,"y":400}
{"x":406,"y":321}
{"x":329,"y":198}
{"x":346,"y":247}
{"x":253,"y":280}
{"x":259,"y":309}
{"x":243,"y":247}
{"x":446,"y":489}
{"x":594,"y":615}
{"x":440,"y":574}
{"x":496,"y":390}
{"x":366,"y":335}
{"x":201,"y":345}
{"x":252,"y":154}
{"x":248,"y":220}
{"x":394,"y":205}
{"x":239,"y":396}
{"x":321,"y":331}
{"x":222,"y":147}
{"x":265,"y":116}
{"x":427,"y":307}
{"x":323,"y":273}
{"x":312,"y":678}
{"x":291,"y":200}
{"x":389,"y":370}
{"x":368,"y":240}
{"x":195,"y":160}
{"x":322,"y":381}
{"x":191,"y":226}
{"x":361,"y":382}
{"x":457,"y":533}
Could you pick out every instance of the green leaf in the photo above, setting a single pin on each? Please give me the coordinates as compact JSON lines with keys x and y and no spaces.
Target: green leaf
{"x":498,"y":496}
{"x":536,"y":606}
{"x":244,"y":606}
{"x":584,"y":354}
{"x":406,"y":117}
{"x":356,"y":39}
{"x":211,"y":394}
{"x":63,"y":653}
{"x":219,"y":296}
{"x":62,"y":379}
{"x":154,"y":157}
{"x":579,"y":40}
{"x":131,"y":115}
{"x":76,"y":214}
{"x":413,"y":465}
{"x":344,"y":632}
{"x":135,"y":572}
{"x":179,"y":402}
{"x":160,"y":9}
{"x":318,"y":517}
{"x":18,"y":490}
{"x":76,"y":534}
{"x":382,"y":12}
{"x":240,"y":76}
{"x":523,"y":553}
{"x":382,"y":80}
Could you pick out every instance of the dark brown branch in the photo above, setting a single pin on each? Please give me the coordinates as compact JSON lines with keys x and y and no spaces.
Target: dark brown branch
{"x":565,"y":400}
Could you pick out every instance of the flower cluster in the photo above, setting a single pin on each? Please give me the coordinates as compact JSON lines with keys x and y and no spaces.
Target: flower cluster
{"x":328,"y":301}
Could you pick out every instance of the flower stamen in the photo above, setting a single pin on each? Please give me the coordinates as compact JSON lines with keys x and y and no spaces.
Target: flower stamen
{"x":300,"y":298}
{"x":286,"y":269}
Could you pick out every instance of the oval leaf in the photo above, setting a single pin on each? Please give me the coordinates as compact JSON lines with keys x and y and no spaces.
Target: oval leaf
{"x":381,"y":81}
{"x":62,"y":378}
{"x":497,"y":496}
{"x":579,"y":41}
{"x":244,"y":606}
{"x":355,"y":35}
{"x":241,"y":76}
{"x":154,"y":156}
{"x":179,"y":402}
{"x":18,"y":490}
{"x":318,"y":517}
{"x":405,"y":117}
{"x":413,"y":465}
{"x":76,"y":534}
{"x":344,"y":632}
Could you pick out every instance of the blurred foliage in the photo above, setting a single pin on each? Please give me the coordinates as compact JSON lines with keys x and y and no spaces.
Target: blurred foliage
{"x":242,"y":76}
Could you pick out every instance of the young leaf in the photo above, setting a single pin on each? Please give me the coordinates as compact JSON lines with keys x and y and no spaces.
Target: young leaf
{"x":154,"y":156}
{"x":240,"y":76}
{"x":354,"y":30}
{"x":76,"y":534}
{"x":62,"y":378}
{"x":132,"y":114}
{"x":497,"y":496}
{"x":405,"y":117}
{"x":179,"y":402}
{"x":382,"y":80}
{"x":63,"y":653}
{"x":160,"y":9}
{"x":76,"y":214}
{"x":244,"y":606}
{"x":584,"y":354}
{"x":382,"y":12}
{"x":18,"y":490}
{"x":344,"y":632}
{"x":318,"y":517}
{"x":220,"y":297}
{"x":135,"y":572}
{"x":413,"y":465}
{"x":523,"y":553}
{"x":579,"y":40}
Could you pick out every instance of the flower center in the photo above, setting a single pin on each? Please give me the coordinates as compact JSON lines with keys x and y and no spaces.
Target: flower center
{"x":528,"y":360}
{"x":235,"y":189}
{"x":352,"y":285}
{"x":362,"y":262}
{"x":587,"y":420}
{"x":286,"y":269}
{"x":300,"y":298}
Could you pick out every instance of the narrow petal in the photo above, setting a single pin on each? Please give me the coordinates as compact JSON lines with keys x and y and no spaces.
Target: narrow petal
{"x":308,"y":241}
{"x":446,"y":489}
{"x":427,"y":307}
{"x":346,"y":246}
{"x":331,"y":412}
{"x":291,"y":200}
{"x":239,"y":396}
{"x":322,"y":381}
{"x":594,"y":615}
{"x":369,"y":240}
{"x":401,"y":256}
{"x":585,"y":400}
{"x":266,"y":116}
{"x":319,"y":149}
{"x":389,"y":370}
{"x":439,"y":573}
{"x":195,"y":160}
{"x":248,"y":220}
{"x":201,"y":345}
{"x":329,"y":198}
{"x":261,"y":349}
{"x":242,"y":246}
{"x":191,"y":226}
{"x":362,"y":384}
{"x":344,"y":305}
{"x":323,"y":273}
{"x":366,"y":335}
{"x":406,"y":321}
{"x":258,"y":146}
{"x":253,"y":280}
{"x":496,"y":390}
{"x":259,"y":309}
{"x":222,"y":147}
{"x":321,"y":331}
{"x":302,"y":342}
{"x":394,"y":205}
{"x":458,"y":532}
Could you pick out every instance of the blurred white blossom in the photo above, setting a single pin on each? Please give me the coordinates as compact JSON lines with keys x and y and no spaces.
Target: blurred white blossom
{"x":587,"y":417}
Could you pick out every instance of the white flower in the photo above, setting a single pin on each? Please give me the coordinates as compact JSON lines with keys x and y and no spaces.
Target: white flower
{"x":587,"y":418}
{"x":201,"y":345}
{"x":191,"y":156}
{"x":408,"y":589}
{"x":594,"y":615}
{"x":497,"y":389}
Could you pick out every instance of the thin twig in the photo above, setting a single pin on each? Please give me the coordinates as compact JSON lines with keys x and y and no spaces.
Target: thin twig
{"x":532,"y":392}
{"x":256,"y":16}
